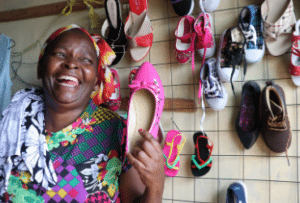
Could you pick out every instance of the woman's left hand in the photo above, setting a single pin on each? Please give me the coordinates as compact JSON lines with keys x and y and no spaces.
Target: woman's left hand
{"x":147,"y":159}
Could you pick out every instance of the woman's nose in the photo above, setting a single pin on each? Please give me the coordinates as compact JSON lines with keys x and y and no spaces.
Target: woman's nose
{"x":71,"y":63}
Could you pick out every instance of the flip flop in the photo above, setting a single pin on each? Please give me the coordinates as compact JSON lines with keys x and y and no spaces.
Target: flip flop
{"x":138,"y":29}
{"x":201,"y":161}
{"x":172,"y":148}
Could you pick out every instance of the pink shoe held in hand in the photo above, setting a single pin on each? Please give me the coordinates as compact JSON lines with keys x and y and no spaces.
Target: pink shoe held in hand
{"x":146,"y":104}
{"x":185,"y":40}
{"x":173,"y":146}
{"x":295,"y":56}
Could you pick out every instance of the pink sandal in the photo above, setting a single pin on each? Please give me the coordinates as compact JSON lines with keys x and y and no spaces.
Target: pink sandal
{"x":173,"y":146}
{"x":114,"y":101}
{"x":146,"y":104}
{"x":185,"y":40}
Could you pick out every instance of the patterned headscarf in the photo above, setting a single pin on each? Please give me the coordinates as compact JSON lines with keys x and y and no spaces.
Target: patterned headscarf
{"x":106,"y":56}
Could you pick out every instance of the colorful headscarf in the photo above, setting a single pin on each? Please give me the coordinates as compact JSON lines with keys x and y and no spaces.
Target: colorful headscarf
{"x":106,"y":56}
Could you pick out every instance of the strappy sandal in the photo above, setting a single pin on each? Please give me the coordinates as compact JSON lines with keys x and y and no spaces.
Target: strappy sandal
{"x":185,"y":40}
{"x":173,"y":146}
{"x":113,"y":29}
{"x":138,"y":29}
{"x":201,"y":161}
{"x":279,"y":18}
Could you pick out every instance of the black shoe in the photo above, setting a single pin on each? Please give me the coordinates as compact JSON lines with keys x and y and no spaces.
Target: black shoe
{"x":183,"y":7}
{"x":247,"y":122}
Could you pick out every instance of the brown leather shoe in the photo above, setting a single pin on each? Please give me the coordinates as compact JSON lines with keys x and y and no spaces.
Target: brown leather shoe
{"x":275,"y":125}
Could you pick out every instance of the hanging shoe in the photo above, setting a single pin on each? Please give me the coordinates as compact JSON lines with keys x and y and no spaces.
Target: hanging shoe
{"x":294,"y":67}
{"x":138,"y":29}
{"x":279,"y":18}
{"x":205,"y":42}
{"x":208,"y":5}
{"x":231,"y":55}
{"x":251,"y":24}
{"x":185,"y":40}
{"x":237,"y":193}
{"x":214,"y":91}
{"x":247,"y":122}
{"x":146,"y":104}
{"x":183,"y":7}
{"x":113,"y":30}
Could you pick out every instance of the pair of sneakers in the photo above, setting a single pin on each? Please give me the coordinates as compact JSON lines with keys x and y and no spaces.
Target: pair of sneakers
{"x":194,"y":34}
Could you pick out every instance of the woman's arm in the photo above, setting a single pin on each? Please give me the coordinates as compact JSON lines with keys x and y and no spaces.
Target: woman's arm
{"x":144,"y":182}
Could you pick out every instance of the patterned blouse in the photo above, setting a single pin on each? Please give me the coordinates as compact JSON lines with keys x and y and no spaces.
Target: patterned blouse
{"x":88,"y":158}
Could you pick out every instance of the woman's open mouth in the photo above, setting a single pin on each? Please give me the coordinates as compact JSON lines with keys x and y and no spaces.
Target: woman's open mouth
{"x":68,"y":81}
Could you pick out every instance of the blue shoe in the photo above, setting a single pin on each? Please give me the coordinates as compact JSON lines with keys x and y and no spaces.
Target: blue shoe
{"x":237,"y":192}
{"x":251,"y":24}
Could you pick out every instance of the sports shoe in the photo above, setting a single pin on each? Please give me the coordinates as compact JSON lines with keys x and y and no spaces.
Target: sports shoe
{"x":208,"y":5}
{"x":237,"y":193}
{"x":247,"y":122}
{"x":205,"y":42}
{"x":295,"y":56}
{"x":251,"y":24}
{"x":231,"y":55}
{"x":214,"y":91}
{"x":183,"y":7}
{"x":274,"y":121}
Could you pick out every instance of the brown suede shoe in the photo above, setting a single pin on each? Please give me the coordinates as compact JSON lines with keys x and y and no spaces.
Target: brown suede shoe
{"x":275,"y":125}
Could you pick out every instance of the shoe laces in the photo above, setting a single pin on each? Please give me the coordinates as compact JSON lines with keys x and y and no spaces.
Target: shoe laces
{"x":234,"y":56}
{"x":212,"y":87}
{"x":277,"y":123}
{"x":250,"y":35}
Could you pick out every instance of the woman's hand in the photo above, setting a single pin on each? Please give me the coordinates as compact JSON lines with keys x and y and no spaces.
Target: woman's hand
{"x":147,"y":159}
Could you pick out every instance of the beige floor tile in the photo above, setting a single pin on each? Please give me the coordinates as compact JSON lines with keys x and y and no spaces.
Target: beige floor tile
{"x":185,"y":121}
{"x":292,"y":114}
{"x":157,"y":9}
{"x":160,"y":52}
{"x":168,"y":92}
{"x":166,"y":121}
{"x":231,"y":167}
{"x":232,"y":99}
{"x":227,"y":4}
{"x":283,"y":192}
{"x":223,"y":186}
{"x":210,"y":122}
{"x":243,"y":3}
{"x":173,"y":23}
{"x":189,"y":147}
{"x":281,"y":171}
{"x":185,"y":166}
{"x":225,"y":19}
{"x":160,"y":30}
{"x":227,"y":118}
{"x":230,"y":144}
{"x":258,"y":191}
{"x":166,"y":201}
{"x":213,"y":172}
{"x":125,"y":62}
{"x":206,"y":190}
{"x":278,"y":66}
{"x":182,"y":74}
{"x":164,"y":72}
{"x":183,"y":91}
{"x":123,"y":76}
{"x":168,"y":188}
{"x":256,"y":168}
{"x":256,"y":71}
{"x":171,"y":12}
{"x":183,"y":189}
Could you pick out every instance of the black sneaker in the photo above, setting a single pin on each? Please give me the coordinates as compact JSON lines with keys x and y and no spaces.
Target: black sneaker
{"x":183,"y":7}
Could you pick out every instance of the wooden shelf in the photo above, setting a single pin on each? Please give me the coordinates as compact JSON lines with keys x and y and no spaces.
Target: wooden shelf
{"x":44,"y":10}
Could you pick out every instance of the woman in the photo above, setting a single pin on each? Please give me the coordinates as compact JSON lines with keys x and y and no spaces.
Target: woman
{"x":86,"y":161}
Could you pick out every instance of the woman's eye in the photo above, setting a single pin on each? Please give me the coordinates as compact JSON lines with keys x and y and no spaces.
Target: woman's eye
{"x":60,"y":54}
{"x":87,"y":60}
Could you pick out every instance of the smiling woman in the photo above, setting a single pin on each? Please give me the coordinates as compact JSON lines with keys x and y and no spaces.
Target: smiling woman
{"x":67,"y":148}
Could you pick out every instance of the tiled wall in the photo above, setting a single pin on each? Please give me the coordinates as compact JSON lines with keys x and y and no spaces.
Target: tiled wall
{"x":266,"y":174}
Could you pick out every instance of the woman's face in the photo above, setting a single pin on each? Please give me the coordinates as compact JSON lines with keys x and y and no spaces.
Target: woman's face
{"x":69,"y":69}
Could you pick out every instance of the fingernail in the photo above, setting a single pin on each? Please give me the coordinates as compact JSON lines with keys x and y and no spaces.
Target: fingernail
{"x":140,"y":130}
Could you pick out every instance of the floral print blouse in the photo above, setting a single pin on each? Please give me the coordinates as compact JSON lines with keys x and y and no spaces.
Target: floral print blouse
{"x":88,"y":158}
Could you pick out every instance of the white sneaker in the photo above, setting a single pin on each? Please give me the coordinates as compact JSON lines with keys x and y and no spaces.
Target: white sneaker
{"x":214,"y":91}
{"x":208,"y":5}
